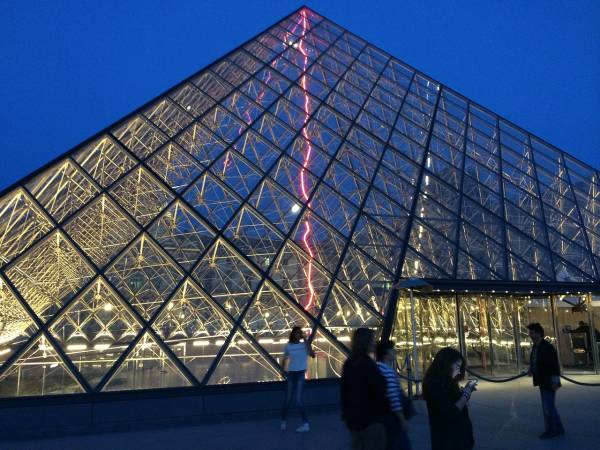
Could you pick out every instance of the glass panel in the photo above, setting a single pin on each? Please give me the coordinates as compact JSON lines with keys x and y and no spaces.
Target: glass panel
{"x":146,"y":367}
{"x":183,"y":235}
{"x":534,"y":309}
{"x":575,"y":333}
{"x":104,"y":160}
{"x":227,"y":277}
{"x":141,"y":195}
{"x":16,"y":326}
{"x":21,"y":224}
{"x":243,"y":363}
{"x":39,"y":371}
{"x":94,"y":330}
{"x":101,"y":230}
{"x":49,"y":275}
{"x":144,"y":275}
{"x":475,"y":321}
{"x":62,"y":190}
{"x":193,"y":327}
{"x":174,"y":166}
{"x":212,"y":199}
{"x":139,"y":136}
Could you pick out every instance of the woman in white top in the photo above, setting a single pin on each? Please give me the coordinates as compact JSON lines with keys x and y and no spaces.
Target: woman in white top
{"x":295,"y":355}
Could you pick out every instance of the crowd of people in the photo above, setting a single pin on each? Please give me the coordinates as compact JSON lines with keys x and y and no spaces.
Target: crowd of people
{"x":376,"y":410}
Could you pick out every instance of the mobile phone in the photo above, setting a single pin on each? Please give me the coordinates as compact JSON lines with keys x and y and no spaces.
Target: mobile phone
{"x":473,"y":382}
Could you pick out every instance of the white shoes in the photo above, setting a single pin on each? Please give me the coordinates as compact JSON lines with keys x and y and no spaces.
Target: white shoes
{"x":304,"y":428}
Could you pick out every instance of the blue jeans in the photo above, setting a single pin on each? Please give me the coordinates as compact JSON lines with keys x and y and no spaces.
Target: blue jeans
{"x":294,"y":382}
{"x":552,"y":420}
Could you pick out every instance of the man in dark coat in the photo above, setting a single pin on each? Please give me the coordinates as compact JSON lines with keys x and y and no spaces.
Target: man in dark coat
{"x":363,"y":395}
{"x":545,"y":370}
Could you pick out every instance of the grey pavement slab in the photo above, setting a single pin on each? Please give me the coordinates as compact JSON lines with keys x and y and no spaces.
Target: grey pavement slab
{"x":505,"y":417}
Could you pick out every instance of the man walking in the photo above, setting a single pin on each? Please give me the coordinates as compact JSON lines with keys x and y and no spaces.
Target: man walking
{"x":545,"y":371}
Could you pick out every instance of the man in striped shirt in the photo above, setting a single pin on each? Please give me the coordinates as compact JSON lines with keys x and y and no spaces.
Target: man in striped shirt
{"x":395,"y":423}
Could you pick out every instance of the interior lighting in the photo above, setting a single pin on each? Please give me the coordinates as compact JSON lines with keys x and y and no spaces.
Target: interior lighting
{"x":76,"y":347}
{"x":202,"y":343}
{"x":101,"y":347}
{"x":107,"y":307}
{"x":4,"y":351}
{"x":219,"y":341}
{"x":295,"y":208}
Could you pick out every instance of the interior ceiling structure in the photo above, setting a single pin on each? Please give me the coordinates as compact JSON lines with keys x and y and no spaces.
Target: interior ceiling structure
{"x":292,"y":182}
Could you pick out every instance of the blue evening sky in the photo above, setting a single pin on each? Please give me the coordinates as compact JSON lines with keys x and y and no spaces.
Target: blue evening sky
{"x":71,"y":68}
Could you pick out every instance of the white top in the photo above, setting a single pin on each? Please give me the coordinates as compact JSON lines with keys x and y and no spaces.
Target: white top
{"x":297,"y":356}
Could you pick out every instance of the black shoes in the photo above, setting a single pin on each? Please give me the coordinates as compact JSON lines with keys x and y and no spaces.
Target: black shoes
{"x":550,"y":435}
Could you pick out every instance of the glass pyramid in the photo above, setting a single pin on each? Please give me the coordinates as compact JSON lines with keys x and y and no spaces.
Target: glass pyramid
{"x":292,"y":182}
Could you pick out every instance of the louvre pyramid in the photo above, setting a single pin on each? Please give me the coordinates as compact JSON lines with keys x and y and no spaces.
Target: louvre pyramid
{"x":292,"y":182}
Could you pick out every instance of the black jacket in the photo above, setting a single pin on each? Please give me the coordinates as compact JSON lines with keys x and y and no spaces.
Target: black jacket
{"x":363,"y":390}
{"x":450,"y":428}
{"x":546,"y":365}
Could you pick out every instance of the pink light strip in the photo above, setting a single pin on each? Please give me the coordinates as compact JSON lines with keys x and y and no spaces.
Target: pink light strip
{"x":306,"y":162}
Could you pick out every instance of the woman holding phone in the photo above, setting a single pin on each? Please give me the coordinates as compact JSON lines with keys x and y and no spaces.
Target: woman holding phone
{"x":449,"y":422}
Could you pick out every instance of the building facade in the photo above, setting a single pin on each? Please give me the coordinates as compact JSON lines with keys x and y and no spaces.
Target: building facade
{"x":296,"y":181}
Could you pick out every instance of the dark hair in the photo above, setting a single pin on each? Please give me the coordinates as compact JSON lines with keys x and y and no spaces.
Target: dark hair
{"x":536,"y":328}
{"x":295,"y":335}
{"x":382,"y":348}
{"x":440,"y":369}
{"x":362,"y":341}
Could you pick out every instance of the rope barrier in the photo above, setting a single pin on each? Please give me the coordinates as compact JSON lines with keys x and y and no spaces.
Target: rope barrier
{"x":580,"y":383}
{"x":495,"y":380}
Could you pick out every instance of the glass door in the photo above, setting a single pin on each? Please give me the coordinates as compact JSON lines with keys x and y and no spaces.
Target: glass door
{"x":575,"y":344}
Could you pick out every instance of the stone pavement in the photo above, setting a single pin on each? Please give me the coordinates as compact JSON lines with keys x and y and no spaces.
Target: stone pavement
{"x":505,"y":417}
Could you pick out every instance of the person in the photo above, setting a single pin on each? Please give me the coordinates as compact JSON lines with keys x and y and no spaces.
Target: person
{"x":545,"y":370}
{"x":363,"y":395}
{"x":396,"y":427}
{"x":449,"y":423}
{"x":296,"y":353}
{"x":583,"y":327}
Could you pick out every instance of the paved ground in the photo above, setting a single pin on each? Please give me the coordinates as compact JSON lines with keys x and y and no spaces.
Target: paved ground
{"x":505,"y":417}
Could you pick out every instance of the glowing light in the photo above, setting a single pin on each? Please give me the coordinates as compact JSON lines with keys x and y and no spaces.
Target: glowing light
{"x":306,"y":161}
{"x":76,"y":347}
{"x":295,"y":208}
{"x":200,"y":343}
{"x":107,"y":307}
{"x":219,"y":341}
{"x":101,"y":347}
{"x":266,"y":341}
{"x":4,"y":351}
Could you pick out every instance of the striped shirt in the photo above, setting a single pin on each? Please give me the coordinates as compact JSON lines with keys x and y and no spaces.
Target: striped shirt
{"x":393,"y":391}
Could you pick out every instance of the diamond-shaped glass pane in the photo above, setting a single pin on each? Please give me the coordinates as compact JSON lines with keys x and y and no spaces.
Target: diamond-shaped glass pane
{"x":182,"y":234}
{"x":227,"y":277}
{"x":243,"y":363}
{"x":146,"y":367}
{"x":95,"y":329}
{"x":193,"y":327}
{"x":141,"y":195}
{"x":101,"y":230}
{"x":21,"y":224}
{"x":104,"y":160}
{"x":38,"y":371}
{"x":62,"y":189}
{"x":49,"y":274}
{"x":144,"y":276}
{"x":16,"y":326}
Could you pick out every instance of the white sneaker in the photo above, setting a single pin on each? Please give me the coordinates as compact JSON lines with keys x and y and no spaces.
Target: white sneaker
{"x":283,"y":425}
{"x":305,"y":427}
